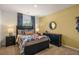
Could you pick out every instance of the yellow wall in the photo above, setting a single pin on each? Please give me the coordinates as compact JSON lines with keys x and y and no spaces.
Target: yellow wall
{"x":66,"y":24}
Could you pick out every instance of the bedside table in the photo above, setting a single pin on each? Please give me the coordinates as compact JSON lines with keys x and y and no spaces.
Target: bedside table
{"x":10,"y":40}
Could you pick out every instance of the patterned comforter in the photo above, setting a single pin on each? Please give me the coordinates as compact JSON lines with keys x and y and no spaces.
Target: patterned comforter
{"x":27,"y":40}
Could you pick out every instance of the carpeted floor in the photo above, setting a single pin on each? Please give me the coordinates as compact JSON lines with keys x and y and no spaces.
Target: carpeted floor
{"x":52,"y":50}
{"x":10,"y":50}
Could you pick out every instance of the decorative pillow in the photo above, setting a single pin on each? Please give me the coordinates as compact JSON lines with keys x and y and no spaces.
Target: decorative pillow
{"x":40,"y":37}
{"x":35,"y":36}
{"x":28,"y":33}
{"x":24,"y":37}
{"x":29,"y":37}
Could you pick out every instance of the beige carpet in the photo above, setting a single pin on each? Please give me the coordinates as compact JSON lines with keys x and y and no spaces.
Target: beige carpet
{"x":11,"y":50}
{"x":53,"y":50}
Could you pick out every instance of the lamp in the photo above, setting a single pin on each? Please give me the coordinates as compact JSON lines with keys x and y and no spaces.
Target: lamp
{"x":10,"y":30}
{"x":37,"y":29}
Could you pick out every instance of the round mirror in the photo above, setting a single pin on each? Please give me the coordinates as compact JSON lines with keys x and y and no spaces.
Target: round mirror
{"x":52,"y":25}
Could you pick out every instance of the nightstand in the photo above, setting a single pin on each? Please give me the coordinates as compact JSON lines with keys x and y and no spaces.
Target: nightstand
{"x":10,"y":40}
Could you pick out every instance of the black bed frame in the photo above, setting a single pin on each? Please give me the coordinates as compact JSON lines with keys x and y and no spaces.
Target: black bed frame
{"x":35,"y":48}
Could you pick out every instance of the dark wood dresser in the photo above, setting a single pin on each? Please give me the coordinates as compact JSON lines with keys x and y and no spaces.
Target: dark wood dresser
{"x":55,"y":39}
{"x":10,"y":40}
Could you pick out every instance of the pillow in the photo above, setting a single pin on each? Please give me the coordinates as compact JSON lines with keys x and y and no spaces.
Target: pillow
{"x":40,"y":37}
{"x":29,"y":37}
{"x":35,"y":36}
{"x":28,"y":33}
{"x":24,"y":37}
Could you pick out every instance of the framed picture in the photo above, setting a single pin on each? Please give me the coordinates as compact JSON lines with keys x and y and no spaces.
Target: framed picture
{"x":52,"y":25}
{"x":77,"y":24}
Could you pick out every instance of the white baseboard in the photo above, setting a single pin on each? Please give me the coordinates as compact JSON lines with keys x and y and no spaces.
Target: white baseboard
{"x":71,"y":47}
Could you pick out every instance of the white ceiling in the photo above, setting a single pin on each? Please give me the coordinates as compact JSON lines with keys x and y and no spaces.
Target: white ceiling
{"x":29,"y":9}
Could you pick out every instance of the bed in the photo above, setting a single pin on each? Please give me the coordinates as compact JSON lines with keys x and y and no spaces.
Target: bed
{"x":32,"y":45}
{"x":36,"y":46}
